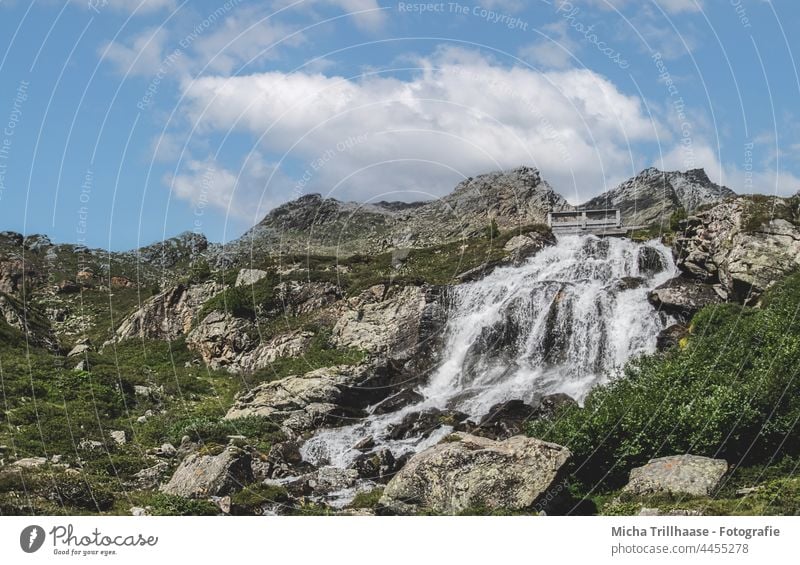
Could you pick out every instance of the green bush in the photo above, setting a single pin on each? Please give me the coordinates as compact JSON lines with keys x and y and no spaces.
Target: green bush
{"x":169,"y":505}
{"x":79,"y":492}
{"x":732,"y":392}
{"x":367,"y":499}
{"x":215,"y":430}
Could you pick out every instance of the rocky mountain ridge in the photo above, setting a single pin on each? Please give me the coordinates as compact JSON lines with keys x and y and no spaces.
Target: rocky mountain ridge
{"x":652,"y":196}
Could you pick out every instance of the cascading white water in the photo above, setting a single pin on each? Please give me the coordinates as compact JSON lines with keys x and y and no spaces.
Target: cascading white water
{"x":564,"y":321}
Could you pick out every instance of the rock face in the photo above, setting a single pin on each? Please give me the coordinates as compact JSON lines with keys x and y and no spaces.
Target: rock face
{"x":398,"y":323}
{"x":200,"y":476}
{"x":13,"y":274}
{"x":743,"y":245}
{"x":249,"y":276}
{"x":169,"y":314}
{"x":683,"y":297}
{"x":679,"y":474}
{"x":305,"y":402}
{"x":28,"y":321}
{"x":652,"y":196}
{"x":221,"y":339}
{"x":468,"y":471}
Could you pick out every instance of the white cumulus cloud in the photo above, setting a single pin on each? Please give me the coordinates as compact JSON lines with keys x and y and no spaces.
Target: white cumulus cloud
{"x":460,"y":115}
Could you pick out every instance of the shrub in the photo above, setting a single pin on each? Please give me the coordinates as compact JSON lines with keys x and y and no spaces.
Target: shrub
{"x":367,"y":499}
{"x":170,"y":505}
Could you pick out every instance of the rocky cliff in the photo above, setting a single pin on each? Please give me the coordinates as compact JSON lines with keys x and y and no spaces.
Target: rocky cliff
{"x":652,"y":196}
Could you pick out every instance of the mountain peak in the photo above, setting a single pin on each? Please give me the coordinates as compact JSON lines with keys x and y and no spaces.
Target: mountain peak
{"x":653,"y":195}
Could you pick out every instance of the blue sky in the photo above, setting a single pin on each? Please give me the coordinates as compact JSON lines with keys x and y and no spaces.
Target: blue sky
{"x":127,"y":121}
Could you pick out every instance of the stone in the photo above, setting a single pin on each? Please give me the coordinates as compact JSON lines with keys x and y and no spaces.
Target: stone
{"x":509,"y":418}
{"x":304,"y":402}
{"x":139,"y":511}
{"x":221,"y":338}
{"x":466,"y":471}
{"x":385,"y":321}
{"x":396,"y":401}
{"x":521,"y":247}
{"x":90,"y":445}
{"x":118,"y":436}
{"x":650,"y":262}
{"x":423,"y":424}
{"x":28,"y":463}
{"x":378,"y":466}
{"x":250,"y":276}
{"x":151,"y":477}
{"x":202,"y":476}
{"x":690,"y":475}
{"x":365,"y":444}
{"x":671,"y":337}
{"x":327,"y":480}
{"x":80,"y":349}
{"x":283,"y":460}
{"x":683,"y":297}
{"x":167,"y":450}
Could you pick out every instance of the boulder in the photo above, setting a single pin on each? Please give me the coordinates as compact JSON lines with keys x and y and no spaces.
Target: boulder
{"x":80,"y":349}
{"x":250,"y":276}
{"x":521,"y":247}
{"x":466,"y":472}
{"x":201,"y":476}
{"x":118,"y":437}
{"x":690,"y":475}
{"x":671,"y":337}
{"x":683,"y":297}
{"x":650,"y":261}
{"x":221,"y":338}
{"x":304,"y":402}
{"x":423,"y":424}
{"x":28,"y":463}
{"x":396,"y":401}
{"x":151,"y":477}
{"x":378,"y":466}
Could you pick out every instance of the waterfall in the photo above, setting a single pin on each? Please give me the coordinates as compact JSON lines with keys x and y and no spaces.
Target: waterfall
{"x":562,"y":322}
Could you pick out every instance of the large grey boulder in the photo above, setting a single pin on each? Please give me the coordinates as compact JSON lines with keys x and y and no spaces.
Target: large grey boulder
{"x":466,"y":471}
{"x":305,"y":402}
{"x":200,"y":476}
{"x":691,"y":475}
